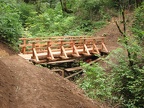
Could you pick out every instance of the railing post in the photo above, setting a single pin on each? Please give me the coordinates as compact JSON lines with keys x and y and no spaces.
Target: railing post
{"x":83,"y":45}
{"x":103,"y":45}
{"x":24,"y":47}
{"x":61,"y":47}
{"x":73,"y":46}
{"x":33,"y":46}
{"x":48,"y":45}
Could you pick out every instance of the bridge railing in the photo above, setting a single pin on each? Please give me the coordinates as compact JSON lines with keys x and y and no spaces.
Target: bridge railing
{"x":62,"y":47}
{"x":26,"y":43}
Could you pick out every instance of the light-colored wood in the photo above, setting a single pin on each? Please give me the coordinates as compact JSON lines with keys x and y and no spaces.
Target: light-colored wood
{"x":73,"y":69}
{"x":95,"y":48}
{"x":86,"y":50}
{"x":63,"y":52}
{"x":63,"y":57}
{"x":61,"y":61}
{"x":35,"y":54}
{"x":74,"y":74}
{"x":63,"y":47}
{"x":50,"y":53}
{"x":38,"y":62}
{"x":104,"y":47}
{"x":75,"y":51}
{"x":75,"y":55}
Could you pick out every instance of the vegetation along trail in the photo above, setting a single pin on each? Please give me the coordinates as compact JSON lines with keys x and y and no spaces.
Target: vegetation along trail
{"x":23,"y":85}
{"x":115,"y":82}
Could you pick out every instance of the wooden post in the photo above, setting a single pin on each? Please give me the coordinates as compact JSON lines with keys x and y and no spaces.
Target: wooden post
{"x":61,"y":45}
{"x":103,"y":46}
{"x":33,"y":46}
{"x":49,"y":51}
{"x":48,"y":45}
{"x":34,"y":56}
{"x":72,"y":46}
{"x":95,"y":47}
{"x":24,"y":47}
{"x":84,"y":46}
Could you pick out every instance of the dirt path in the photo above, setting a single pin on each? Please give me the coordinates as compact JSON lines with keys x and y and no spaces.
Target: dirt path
{"x":111,"y":33}
{"x":23,"y":85}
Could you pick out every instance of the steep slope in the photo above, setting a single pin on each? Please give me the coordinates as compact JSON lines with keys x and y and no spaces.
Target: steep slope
{"x":5,"y":50}
{"x":23,"y":85}
{"x":111,"y":34}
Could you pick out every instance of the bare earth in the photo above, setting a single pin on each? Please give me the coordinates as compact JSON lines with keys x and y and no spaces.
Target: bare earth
{"x":23,"y":85}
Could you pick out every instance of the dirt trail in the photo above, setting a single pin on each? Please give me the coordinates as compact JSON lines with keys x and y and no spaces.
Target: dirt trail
{"x":111,"y":34}
{"x":23,"y":85}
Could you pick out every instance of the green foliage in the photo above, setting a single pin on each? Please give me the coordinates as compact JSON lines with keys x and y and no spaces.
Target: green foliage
{"x":128,"y":87}
{"x":138,"y":25}
{"x":124,"y":83}
{"x":10,"y":25}
{"x":51,"y":22}
{"x":96,"y":83}
{"x":94,"y":9}
{"x":26,"y":11}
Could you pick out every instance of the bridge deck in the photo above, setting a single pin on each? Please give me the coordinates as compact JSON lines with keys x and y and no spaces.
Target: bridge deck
{"x":47,"y":49}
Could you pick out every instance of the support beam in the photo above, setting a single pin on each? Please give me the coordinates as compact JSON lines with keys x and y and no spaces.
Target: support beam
{"x":104,"y":47}
{"x":35,"y":54}
{"x":75,"y":52}
{"x":86,"y":50}
{"x":95,"y":48}
{"x":50,"y":55}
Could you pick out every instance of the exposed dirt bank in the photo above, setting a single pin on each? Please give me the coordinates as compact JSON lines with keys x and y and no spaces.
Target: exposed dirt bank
{"x":23,"y":85}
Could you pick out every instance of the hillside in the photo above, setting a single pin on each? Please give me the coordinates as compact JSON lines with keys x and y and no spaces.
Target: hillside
{"x":23,"y":85}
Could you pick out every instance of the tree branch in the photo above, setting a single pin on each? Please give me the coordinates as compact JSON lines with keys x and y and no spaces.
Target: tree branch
{"x":119,"y":28}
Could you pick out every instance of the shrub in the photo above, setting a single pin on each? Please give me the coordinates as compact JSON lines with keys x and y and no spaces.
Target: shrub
{"x":128,"y":81}
{"x":138,"y":25}
{"x":96,"y":83}
{"x":51,"y":22}
{"x":10,"y":24}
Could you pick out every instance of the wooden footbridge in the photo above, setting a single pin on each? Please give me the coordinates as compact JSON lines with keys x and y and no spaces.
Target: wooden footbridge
{"x":51,"y":50}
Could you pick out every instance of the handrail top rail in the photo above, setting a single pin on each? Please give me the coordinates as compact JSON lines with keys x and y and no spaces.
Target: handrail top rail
{"x":63,"y":37}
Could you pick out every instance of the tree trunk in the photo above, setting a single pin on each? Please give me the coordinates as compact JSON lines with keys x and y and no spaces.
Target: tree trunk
{"x":138,"y":2}
{"x":64,"y":7}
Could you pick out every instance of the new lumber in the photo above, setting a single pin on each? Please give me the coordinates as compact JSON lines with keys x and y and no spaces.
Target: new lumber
{"x":73,"y":69}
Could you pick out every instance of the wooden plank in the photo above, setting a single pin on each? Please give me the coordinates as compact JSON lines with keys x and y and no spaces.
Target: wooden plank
{"x":63,"y":57}
{"x":63,"y":52}
{"x":54,"y":43}
{"x":35,"y":54}
{"x":75,"y":51}
{"x":73,"y":69}
{"x":104,"y":47}
{"x":25,"y":56}
{"x":75,"y":55}
{"x":74,"y":74}
{"x":94,"y":61}
{"x":25,"y":45}
{"x":86,"y":49}
{"x":95,"y":48}
{"x":38,"y":62}
{"x":85,"y":54}
{"x":62,"y":61}
{"x":50,"y":54}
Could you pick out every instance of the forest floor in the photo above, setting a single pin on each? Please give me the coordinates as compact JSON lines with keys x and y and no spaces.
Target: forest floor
{"x":23,"y":85}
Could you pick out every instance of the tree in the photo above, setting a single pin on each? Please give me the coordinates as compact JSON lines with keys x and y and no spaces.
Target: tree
{"x":129,"y":75}
{"x":64,"y":6}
